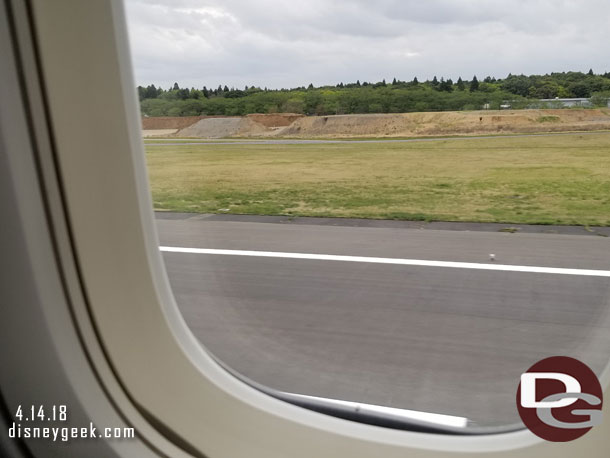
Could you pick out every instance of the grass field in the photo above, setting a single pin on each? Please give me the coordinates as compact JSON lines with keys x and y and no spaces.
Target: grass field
{"x":563,"y":179}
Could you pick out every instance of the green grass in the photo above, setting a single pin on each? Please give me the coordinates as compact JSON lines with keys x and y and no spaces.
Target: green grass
{"x":563,"y":179}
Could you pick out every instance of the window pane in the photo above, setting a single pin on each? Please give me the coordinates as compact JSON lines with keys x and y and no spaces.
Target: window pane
{"x":391,"y":230}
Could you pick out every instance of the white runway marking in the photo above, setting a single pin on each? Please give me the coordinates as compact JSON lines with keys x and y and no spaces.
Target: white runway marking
{"x":395,"y":261}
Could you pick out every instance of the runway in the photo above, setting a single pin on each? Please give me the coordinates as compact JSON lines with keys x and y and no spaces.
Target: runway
{"x":433,"y":334}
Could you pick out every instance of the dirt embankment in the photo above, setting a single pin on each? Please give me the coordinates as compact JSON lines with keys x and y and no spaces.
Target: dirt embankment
{"x":384,"y":125}
{"x":447,"y":123}
{"x":223,"y":127}
{"x":168,"y":122}
{"x":275,"y":120}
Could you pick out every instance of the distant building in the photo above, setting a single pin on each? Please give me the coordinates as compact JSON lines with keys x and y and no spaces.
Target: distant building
{"x":572,"y":102}
{"x":550,"y":103}
{"x":505,"y":106}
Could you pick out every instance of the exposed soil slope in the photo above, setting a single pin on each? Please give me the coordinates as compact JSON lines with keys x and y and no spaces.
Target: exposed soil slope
{"x":275,"y":120}
{"x":385,"y":125}
{"x":168,"y":122}
{"x":447,"y":123}
{"x":223,"y":127}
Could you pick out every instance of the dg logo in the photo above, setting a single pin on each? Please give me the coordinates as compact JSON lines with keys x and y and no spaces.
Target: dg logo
{"x":560,"y":399}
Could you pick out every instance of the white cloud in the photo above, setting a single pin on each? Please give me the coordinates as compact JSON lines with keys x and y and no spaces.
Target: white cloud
{"x":286,"y":44}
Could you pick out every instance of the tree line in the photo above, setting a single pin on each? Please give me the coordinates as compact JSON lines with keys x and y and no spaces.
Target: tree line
{"x":519,"y":91}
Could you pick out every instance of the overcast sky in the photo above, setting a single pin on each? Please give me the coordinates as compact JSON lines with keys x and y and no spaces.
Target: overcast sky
{"x":290,"y":43}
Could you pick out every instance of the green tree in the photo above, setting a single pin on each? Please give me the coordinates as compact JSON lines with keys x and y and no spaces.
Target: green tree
{"x":600,"y":99}
{"x":517,"y":84}
{"x":474,"y":84}
{"x":446,"y":86}
{"x":312,"y":102}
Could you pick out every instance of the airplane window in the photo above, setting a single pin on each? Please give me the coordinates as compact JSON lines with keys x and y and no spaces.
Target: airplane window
{"x":390,"y":204}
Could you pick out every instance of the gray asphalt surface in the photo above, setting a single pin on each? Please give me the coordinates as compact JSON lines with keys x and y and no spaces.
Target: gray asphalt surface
{"x":434,"y":339}
{"x":276,"y":141}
